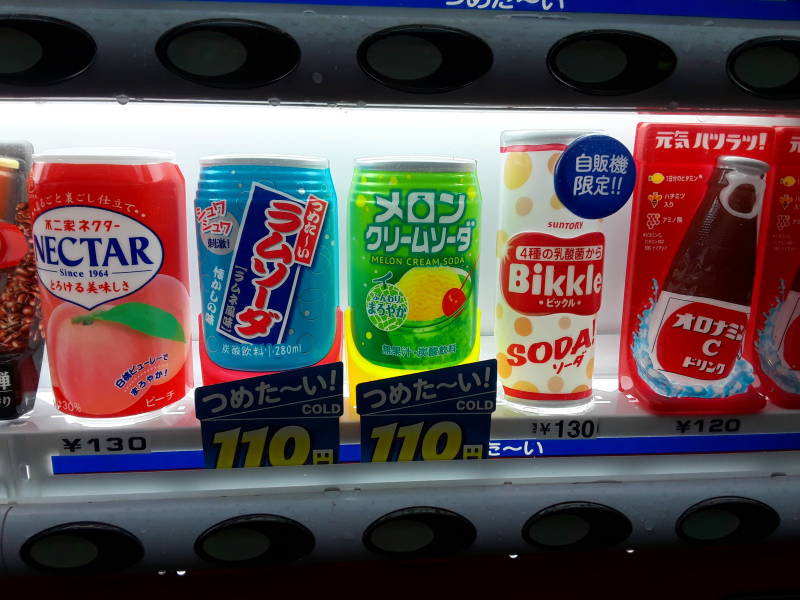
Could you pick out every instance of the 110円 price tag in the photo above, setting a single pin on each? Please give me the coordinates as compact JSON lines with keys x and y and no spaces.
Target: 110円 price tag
{"x":283,"y":419}
{"x":433,"y":415}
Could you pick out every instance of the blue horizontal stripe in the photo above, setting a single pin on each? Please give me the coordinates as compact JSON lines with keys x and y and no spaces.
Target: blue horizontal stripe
{"x":689,"y":444}
{"x":349,"y":453}
{"x":781,"y":10}
{"x":112,"y":463}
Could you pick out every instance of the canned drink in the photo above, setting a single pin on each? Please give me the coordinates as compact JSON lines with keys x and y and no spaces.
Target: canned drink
{"x":267,"y":243}
{"x":551,"y":265}
{"x":109,"y":235}
{"x":413,"y":231}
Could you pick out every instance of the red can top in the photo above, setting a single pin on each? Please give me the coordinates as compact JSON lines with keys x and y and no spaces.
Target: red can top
{"x":105,"y":156}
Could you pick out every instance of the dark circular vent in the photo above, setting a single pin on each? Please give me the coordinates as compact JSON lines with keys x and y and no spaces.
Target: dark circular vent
{"x":610,"y":63}
{"x":42,"y":51}
{"x":424,"y":59}
{"x":84,"y":547}
{"x":254,"y":540}
{"x":767,"y":67}
{"x":576,"y":526}
{"x":419,"y":531}
{"x":228,"y":53}
{"x":727,"y":520}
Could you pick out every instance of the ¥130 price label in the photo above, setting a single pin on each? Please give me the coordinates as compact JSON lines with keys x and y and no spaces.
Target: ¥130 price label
{"x":283,"y":419}
{"x":434,"y":415}
{"x":104,"y":444}
{"x":565,"y":429}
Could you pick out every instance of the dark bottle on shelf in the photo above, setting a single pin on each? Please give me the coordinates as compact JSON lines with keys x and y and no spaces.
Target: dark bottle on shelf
{"x":698,"y":324}
{"x":21,"y":343}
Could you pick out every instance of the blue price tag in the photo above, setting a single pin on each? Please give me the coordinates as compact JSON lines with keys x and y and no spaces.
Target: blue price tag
{"x":434,"y":415}
{"x":287,"y":418}
{"x":595,"y":176}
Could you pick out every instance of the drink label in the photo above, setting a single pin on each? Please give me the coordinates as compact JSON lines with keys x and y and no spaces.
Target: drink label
{"x":9,"y":394}
{"x":788,"y":329}
{"x":555,"y":365}
{"x":308,"y":237}
{"x":551,"y":272}
{"x":109,"y":243}
{"x":690,"y":268}
{"x":541,"y":274}
{"x":696,"y":338}
{"x":773,"y":344}
{"x":89,"y":256}
{"x":414,"y":267}
{"x":277,"y":238}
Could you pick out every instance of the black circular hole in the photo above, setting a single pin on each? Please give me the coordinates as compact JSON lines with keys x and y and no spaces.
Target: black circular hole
{"x":767,"y":67}
{"x":610,"y":62}
{"x":228,"y":53}
{"x":727,"y":520}
{"x":419,"y":531}
{"x":84,"y":547}
{"x":42,"y":51}
{"x":254,"y":540}
{"x":576,"y":526}
{"x":743,"y":198}
{"x":424,"y":59}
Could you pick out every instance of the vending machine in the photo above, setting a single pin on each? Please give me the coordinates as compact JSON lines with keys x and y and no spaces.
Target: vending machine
{"x":296,"y":282}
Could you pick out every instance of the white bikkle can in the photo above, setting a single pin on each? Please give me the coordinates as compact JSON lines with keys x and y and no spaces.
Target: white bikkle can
{"x":551,"y":279}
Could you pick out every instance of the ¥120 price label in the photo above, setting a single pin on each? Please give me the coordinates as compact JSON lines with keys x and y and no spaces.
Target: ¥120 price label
{"x":284,"y":419}
{"x":434,"y":415}
{"x":698,"y":426}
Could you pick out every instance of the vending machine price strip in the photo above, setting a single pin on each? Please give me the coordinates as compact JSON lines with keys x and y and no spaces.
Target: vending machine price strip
{"x":434,"y":415}
{"x":250,"y":423}
{"x":284,"y":419}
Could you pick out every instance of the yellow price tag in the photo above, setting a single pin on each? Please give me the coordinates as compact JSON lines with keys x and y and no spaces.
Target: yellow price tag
{"x":284,"y":446}
{"x":441,"y":440}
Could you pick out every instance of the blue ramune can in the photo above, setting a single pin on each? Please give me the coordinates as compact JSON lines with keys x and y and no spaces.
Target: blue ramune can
{"x":266,"y":239}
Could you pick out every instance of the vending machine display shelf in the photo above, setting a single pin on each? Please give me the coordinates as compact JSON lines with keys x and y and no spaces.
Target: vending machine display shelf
{"x":48,"y":454}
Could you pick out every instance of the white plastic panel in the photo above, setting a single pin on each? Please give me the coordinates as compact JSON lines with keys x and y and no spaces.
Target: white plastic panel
{"x":337,"y":518}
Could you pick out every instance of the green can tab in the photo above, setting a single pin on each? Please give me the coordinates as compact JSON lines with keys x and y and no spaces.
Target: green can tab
{"x":443,"y":414}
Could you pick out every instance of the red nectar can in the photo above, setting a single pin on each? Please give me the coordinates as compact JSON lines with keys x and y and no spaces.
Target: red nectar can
{"x":109,"y":235}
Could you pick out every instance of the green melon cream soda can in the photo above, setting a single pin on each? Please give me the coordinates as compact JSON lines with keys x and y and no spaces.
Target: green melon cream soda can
{"x":413,"y":254}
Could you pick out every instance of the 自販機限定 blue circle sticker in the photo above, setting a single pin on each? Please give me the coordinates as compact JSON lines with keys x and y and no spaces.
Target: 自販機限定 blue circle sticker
{"x":595,"y":176}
